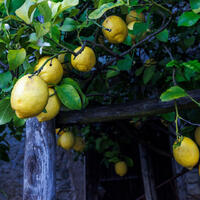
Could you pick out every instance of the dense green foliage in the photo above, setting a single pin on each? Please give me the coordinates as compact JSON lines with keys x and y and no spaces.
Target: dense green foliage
{"x":34,"y":28}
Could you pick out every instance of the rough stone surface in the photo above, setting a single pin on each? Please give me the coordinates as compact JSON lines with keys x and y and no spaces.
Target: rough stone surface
{"x":69,"y":174}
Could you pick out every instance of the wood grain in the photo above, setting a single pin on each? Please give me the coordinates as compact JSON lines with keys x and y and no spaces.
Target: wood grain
{"x":39,"y":161}
{"x":125,"y":111}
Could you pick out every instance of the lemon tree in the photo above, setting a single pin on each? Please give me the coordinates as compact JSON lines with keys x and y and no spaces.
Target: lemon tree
{"x":76,"y":54}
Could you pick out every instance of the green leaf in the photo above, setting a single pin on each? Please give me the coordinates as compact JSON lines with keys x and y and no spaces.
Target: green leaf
{"x":114,"y":71}
{"x":139,"y":71}
{"x":129,"y":161}
{"x":74,"y":12}
{"x":169,"y":116}
{"x":125,"y":64}
{"x":59,"y":7}
{"x":139,"y":28}
{"x":172,"y":93}
{"x":148,"y":74}
{"x":14,"y":5}
{"x":114,"y":159}
{"x":72,"y":82}
{"x":105,"y":7}
{"x":65,"y":4}
{"x":189,"y":41}
{"x":16,"y":58}
{"x":163,"y":36}
{"x":133,"y":3}
{"x":55,"y":33}
{"x":42,"y":29}
{"x":128,"y":41}
{"x":18,"y":122}
{"x":6,"y":112}
{"x":5,"y":78}
{"x":26,"y":11}
{"x":69,"y":96}
{"x":195,"y":5}
{"x":101,"y":2}
{"x":69,"y":25}
{"x":188,"y":19}
{"x":193,"y":65}
{"x":172,"y":63}
{"x":188,"y":74}
{"x":45,"y":11}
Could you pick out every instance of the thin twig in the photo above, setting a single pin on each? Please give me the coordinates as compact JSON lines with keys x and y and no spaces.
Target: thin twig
{"x":103,"y":47}
{"x":191,"y":123}
{"x":82,"y":10}
{"x":4,"y":65}
{"x":81,"y":50}
{"x":41,"y":68}
{"x":162,"y":7}
{"x":174,"y":69}
{"x":60,"y":45}
{"x":141,"y":42}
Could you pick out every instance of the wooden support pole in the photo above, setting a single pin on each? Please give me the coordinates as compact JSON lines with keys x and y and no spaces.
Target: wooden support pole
{"x":39,"y":161}
{"x":147,"y":174}
{"x":125,"y":111}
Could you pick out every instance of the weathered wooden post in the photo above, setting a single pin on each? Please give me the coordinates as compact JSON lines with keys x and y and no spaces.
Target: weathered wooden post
{"x":39,"y":161}
{"x":147,"y":174}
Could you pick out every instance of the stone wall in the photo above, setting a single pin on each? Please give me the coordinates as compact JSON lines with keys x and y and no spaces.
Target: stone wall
{"x":70,"y":180}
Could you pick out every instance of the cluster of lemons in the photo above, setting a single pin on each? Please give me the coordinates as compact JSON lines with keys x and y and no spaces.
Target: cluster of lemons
{"x":68,"y":141}
{"x":116,"y":30}
{"x":187,"y":153}
{"x":34,"y":95}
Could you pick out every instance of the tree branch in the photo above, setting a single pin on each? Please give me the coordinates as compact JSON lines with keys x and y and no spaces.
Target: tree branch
{"x":141,"y":42}
{"x":125,"y":111}
{"x":4,"y":65}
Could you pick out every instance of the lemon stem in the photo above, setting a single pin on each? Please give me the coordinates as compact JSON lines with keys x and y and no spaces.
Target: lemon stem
{"x":194,"y":100}
{"x":41,"y":68}
{"x":176,"y":120}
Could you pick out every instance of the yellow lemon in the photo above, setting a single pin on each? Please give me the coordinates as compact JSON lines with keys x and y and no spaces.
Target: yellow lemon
{"x":52,"y":72}
{"x":19,"y":115}
{"x":59,"y":132}
{"x":187,"y":154}
{"x":118,"y":29}
{"x":67,"y":140}
{"x":150,"y":62}
{"x":121,"y":168}
{"x":197,"y":135}
{"x":61,"y":58}
{"x":52,"y":108}
{"x":29,"y":96}
{"x":134,"y":16}
{"x":79,"y":144}
{"x":85,"y":61}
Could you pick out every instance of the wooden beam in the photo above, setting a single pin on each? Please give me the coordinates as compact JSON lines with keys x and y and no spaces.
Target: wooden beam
{"x":39,"y":161}
{"x":125,"y":111}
